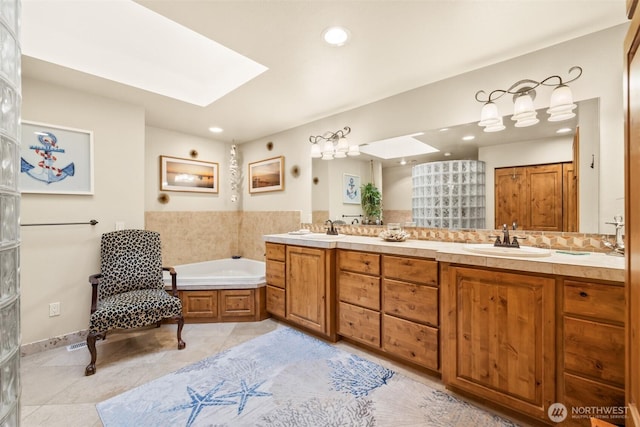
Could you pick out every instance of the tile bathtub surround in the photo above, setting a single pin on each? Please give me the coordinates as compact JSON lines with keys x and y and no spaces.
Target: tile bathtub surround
{"x":194,"y":236}
{"x":543,"y":239}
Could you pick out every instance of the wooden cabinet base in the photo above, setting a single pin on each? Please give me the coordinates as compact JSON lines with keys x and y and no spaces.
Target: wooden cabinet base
{"x":228,"y":305}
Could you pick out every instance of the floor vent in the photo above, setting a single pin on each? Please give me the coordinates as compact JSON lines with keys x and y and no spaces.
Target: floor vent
{"x":77,"y":346}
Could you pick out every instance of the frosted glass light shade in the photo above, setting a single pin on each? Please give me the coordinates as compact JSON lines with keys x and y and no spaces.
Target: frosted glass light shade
{"x":523,"y":107}
{"x":315,"y":151}
{"x":496,"y":127}
{"x":327,"y":148}
{"x":526,"y":121}
{"x":342,"y":146}
{"x":561,"y":105}
{"x":489,"y":115}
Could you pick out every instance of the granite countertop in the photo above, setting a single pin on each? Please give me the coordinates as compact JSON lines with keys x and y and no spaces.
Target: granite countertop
{"x":592,"y":266}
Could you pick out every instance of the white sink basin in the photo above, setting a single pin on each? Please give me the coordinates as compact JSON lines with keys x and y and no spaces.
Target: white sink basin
{"x":522,"y":251}
{"x":323,"y":236}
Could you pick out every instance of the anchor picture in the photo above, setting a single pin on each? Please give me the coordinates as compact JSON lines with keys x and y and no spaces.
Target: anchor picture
{"x":55,"y":160}
{"x":46,"y":170}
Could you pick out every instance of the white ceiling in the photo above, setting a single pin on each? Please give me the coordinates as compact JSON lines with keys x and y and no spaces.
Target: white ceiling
{"x":396,"y":46}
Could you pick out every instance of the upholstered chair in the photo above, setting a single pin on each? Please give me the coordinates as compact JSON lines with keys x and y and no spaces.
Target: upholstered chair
{"x":129,"y":290}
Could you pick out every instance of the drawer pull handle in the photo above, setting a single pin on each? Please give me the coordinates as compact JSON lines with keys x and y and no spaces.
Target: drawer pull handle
{"x":583,"y":294}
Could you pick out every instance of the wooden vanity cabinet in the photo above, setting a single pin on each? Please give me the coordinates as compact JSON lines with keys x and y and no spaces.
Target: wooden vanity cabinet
{"x":310,"y":289}
{"x":275,"y":277}
{"x":390,"y":303}
{"x":593,"y":346}
{"x":410,"y":304}
{"x":358,"y":288}
{"x":301,"y":286}
{"x":499,"y":337}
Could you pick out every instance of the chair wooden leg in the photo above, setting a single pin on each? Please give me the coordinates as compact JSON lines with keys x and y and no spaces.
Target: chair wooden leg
{"x":91,"y":344}
{"x":181,"y":344}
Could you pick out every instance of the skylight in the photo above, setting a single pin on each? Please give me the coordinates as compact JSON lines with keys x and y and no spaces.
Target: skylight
{"x":130,"y":44}
{"x":397,"y":147}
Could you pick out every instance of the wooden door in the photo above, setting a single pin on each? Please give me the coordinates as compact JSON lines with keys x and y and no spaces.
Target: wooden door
{"x":569,"y":198}
{"x":499,"y":338}
{"x":305,"y":291}
{"x":510,"y":202}
{"x":632,"y":213}
{"x":544,"y":197}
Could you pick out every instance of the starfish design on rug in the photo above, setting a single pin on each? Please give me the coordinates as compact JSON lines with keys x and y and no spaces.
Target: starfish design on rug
{"x":245,"y":393}
{"x":199,"y":401}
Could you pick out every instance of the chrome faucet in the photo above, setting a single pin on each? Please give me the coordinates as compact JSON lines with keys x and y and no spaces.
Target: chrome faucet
{"x":355,"y":221}
{"x":331,"y":230}
{"x":617,"y":248}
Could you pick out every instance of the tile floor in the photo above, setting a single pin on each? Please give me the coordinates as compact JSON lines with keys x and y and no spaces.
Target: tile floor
{"x":55,"y":391}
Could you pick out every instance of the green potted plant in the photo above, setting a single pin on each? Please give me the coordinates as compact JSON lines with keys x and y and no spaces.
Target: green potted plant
{"x":371,"y":202}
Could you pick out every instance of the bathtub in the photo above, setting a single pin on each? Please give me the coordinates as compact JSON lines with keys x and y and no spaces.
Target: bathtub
{"x":219,"y":274}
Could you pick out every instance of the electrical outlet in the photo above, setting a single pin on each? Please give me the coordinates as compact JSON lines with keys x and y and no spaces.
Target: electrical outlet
{"x":54,"y":309}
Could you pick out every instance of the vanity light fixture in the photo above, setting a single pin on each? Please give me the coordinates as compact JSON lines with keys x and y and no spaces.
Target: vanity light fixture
{"x":561,"y":105}
{"x":333,"y":145}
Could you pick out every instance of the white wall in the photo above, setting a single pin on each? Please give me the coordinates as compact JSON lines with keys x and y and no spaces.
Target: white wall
{"x":55,"y":261}
{"x":450,"y":102}
{"x":553,"y":150}
{"x":161,"y":142}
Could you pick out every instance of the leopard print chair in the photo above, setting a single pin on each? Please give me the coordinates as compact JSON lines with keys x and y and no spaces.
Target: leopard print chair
{"x":129,"y":291}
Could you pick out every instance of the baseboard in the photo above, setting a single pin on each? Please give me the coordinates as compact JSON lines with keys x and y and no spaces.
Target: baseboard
{"x":51,"y":343}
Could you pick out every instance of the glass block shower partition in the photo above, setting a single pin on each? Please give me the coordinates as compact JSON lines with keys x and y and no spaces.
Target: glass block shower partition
{"x":10,"y":101}
{"x":449,"y":194}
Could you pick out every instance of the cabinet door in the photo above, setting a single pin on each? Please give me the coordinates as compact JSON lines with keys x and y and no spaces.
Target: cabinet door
{"x":305,"y":291}
{"x":499,"y":337}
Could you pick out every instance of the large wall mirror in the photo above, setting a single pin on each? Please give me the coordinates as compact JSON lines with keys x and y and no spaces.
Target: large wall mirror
{"x":540,"y":144}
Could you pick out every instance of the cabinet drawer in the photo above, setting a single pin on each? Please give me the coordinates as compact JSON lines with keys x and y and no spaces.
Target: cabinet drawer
{"x":237,"y":303}
{"x":275,"y":301}
{"x":594,"y":349}
{"x":275,"y":273}
{"x":359,"y":324}
{"x":411,"y":341}
{"x":410,"y":301}
{"x":275,"y":251}
{"x":581,"y":392}
{"x":360,"y":262}
{"x":416,"y":270}
{"x":595,"y":300}
{"x":359,"y":289}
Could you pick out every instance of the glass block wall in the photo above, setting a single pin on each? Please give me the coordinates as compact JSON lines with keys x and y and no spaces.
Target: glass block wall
{"x":449,"y":194}
{"x":10,"y":101}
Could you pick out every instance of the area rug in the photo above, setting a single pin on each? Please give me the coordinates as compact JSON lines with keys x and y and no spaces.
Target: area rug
{"x":287,"y":378}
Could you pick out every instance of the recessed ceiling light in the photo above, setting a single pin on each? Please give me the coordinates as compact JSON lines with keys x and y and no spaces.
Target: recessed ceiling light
{"x":403,"y":162}
{"x":468,"y":138}
{"x":447,"y":154}
{"x":444,"y":129}
{"x":564,"y":130}
{"x":215,"y":129}
{"x":336,"y":36}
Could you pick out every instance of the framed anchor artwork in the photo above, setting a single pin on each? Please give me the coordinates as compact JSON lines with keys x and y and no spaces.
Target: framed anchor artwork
{"x":55,"y":159}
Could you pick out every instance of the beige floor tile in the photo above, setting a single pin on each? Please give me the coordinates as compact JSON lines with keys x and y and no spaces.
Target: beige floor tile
{"x":81,"y":415}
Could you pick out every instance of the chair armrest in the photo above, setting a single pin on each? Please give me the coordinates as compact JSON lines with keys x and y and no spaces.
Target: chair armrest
{"x":174,"y":281}
{"x":94,"y":281}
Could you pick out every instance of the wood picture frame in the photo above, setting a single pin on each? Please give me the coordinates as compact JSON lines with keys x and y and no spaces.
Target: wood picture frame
{"x":197,"y":176}
{"x":266,"y":175}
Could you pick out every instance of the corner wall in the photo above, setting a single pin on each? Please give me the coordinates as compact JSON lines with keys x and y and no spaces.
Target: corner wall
{"x":56,"y":261}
